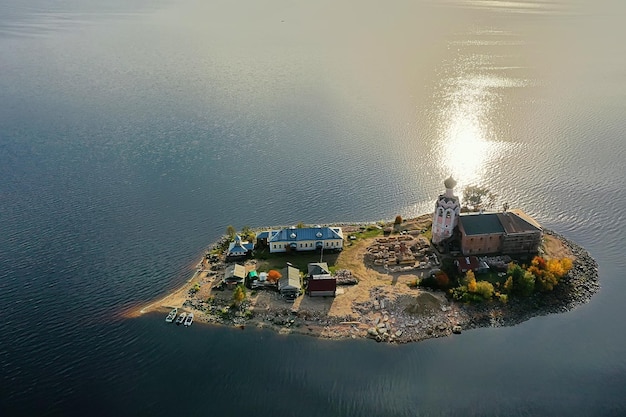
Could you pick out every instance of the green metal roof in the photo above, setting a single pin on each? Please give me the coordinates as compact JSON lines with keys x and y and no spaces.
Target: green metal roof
{"x":480,"y":224}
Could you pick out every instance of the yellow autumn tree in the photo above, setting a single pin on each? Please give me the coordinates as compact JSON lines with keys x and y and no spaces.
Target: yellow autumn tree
{"x":559,"y":267}
{"x":239,"y":295}
{"x":508,"y":285}
{"x":485,"y":289}
{"x":470,"y":278}
{"x":548,"y":272}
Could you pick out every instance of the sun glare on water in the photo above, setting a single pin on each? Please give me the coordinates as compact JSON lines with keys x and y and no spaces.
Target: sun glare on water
{"x":468,"y":136}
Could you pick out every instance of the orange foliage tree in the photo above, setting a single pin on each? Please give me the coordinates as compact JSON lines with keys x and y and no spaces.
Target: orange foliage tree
{"x":273,"y":276}
{"x":548,"y":273}
{"x":443,"y":281}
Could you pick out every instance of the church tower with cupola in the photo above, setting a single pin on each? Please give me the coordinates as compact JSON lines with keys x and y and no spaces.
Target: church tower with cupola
{"x":447,"y":212}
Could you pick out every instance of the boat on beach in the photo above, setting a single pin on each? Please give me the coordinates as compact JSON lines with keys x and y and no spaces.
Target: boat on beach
{"x":181,"y":318}
{"x":172,"y":315}
{"x":189,"y":319}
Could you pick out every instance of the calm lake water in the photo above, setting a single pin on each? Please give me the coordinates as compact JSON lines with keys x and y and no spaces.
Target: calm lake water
{"x":133,"y":133}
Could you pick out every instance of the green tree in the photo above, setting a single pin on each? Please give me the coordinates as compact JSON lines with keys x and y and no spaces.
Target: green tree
{"x":526,"y":285}
{"x":300,"y":225}
{"x":231,"y":232}
{"x":247,"y":233}
{"x":398,"y":220}
{"x":477,"y":198}
{"x":516,"y":272}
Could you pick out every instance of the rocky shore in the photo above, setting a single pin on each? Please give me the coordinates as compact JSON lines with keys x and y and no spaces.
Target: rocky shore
{"x":576,"y":288}
{"x":382,"y":310}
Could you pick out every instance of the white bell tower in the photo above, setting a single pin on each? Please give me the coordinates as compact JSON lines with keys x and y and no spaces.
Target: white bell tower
{"x":447,"y":211}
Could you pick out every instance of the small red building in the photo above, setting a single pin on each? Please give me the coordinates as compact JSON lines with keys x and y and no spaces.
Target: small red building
{"x":322,"y":287}
{"x":467,"y":263}
{"x":320,"y":283}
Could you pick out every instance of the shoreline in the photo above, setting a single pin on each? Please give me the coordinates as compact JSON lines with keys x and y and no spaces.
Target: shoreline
{"x":384,"y":308}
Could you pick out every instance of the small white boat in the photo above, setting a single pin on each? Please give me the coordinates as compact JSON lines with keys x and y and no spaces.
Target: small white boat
{"x":189,"y":319}
{"x":181,"y":318}
{"x":170,"y":317}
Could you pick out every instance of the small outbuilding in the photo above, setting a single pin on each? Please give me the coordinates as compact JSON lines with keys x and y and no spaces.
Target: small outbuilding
{"x":289,"y":285}
{"x":320,"y":283}
{"x":234,"y":275}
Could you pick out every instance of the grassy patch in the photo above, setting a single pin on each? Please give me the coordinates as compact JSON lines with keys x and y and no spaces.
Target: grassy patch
{"x":493,"y":278}
{"x":300,"y":260}
{"x":370,"y":232}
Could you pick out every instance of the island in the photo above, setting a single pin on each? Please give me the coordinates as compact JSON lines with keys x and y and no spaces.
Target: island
{"x":400,"y":281}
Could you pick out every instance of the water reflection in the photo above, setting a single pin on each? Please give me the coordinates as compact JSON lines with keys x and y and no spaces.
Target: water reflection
{"x":520,"y":7}
{"x":471,"y":102}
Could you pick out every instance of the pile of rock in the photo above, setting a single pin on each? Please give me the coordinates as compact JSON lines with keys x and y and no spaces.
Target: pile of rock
{"x":345,"y":277}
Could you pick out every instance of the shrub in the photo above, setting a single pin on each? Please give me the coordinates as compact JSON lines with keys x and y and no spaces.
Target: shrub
{"x":224,"y":312}
{"x":459,"y":292}
{"x":508,"y":285}
{"x":194,"y":289}
{"x":414,"y":283}
{"x":462,"y":294}
{"x":484,"y":289}
{"x":428,"y":282}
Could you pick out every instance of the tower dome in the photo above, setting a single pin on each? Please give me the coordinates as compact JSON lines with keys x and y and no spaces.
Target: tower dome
{"x":449,"y":183}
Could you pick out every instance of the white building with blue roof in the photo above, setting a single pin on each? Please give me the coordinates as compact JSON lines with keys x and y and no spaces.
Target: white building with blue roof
{"x":239,"y":248}
{"x":304,"y":239}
